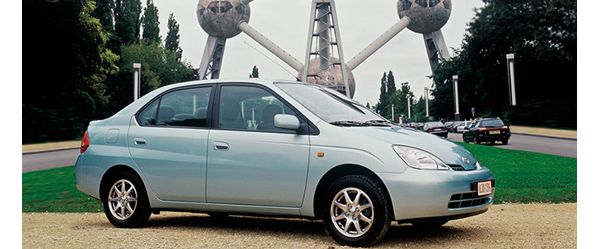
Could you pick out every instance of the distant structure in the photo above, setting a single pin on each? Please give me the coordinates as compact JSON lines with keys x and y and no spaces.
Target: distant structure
{"x":324,"y":59}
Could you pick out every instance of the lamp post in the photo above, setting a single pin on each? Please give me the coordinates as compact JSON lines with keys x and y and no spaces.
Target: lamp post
{"x":456,"y":107}
{"x":137,"y":76}
{"x":510,"y":64}
{"x":427,"y":103}
{"x":393,"y":113}
{"x":408,"y":105}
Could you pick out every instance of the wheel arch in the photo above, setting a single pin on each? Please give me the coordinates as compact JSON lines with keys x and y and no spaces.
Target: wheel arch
{"x":341,"y":171}
{"x":115,"y":170}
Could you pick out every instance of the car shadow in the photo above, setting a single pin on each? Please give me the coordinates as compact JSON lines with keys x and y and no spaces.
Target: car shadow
{"x":294,"y":227}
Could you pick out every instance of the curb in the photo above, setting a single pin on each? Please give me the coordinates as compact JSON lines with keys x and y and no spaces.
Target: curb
{"x":546,"y":136}
{"x":48,"y":150}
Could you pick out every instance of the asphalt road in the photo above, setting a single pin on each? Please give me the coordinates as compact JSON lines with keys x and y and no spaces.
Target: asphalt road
{"x":555,"y":146}
{"x":48,"y":160}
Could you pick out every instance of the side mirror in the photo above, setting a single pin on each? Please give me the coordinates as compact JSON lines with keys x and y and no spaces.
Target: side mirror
{"x":286,"y":121}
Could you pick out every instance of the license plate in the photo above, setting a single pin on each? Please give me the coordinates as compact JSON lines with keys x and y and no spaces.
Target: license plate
{"x":484,"y":188}
{"x":494,"y":132}
{"x":438,"y":129}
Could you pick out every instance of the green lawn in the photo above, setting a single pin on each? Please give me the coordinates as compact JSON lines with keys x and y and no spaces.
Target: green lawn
{"x":54,"y":191}
{"x":520,"y":177}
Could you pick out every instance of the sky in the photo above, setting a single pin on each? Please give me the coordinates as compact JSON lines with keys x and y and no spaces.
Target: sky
{"x":285,"y":22}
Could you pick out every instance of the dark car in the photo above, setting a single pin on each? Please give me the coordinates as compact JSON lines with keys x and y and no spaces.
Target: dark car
{"x":436,"y":128}
{"x":487,"y":130}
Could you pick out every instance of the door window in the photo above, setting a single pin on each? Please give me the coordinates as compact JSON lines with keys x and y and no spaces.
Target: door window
{"x":180,"y":108}
{"x":250,"y":108}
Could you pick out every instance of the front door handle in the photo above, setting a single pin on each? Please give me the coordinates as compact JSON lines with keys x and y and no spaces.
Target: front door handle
{"x":139,"y":141}
{"x":221,"y":146}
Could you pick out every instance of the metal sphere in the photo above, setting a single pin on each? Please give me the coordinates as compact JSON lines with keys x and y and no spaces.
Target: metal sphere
{"x":221,"y":18}
{"x":426,"y":15}
{"x":335,"y":75}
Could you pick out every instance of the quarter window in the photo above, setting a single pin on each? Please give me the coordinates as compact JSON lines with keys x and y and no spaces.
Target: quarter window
{"x":250,"y":108}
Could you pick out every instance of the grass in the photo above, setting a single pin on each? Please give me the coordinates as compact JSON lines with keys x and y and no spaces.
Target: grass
{"x":521,"y":177}
{"x":54,"y":191}
{"x":526,"y":177}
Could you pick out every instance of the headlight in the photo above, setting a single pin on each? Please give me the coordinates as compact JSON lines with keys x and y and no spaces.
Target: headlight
{"x":419,"y":159}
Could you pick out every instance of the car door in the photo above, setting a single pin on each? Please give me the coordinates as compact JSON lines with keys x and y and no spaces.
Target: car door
{"x":250,"y":162}
{"x":168,"y":142}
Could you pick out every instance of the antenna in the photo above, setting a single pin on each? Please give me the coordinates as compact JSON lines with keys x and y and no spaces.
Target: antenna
{"x":271,"y":59}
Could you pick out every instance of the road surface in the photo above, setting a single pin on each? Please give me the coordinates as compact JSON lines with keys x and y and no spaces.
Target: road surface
{"x":48,"y":160}
{"x":554,"y":146}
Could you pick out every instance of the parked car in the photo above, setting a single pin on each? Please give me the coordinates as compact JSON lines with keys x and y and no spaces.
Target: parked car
{"x":436,"y":128}
{"x":449,"y":125}
{"x":284,"y":148}
{"x":487,"y":130}
{"x":463,"y":126}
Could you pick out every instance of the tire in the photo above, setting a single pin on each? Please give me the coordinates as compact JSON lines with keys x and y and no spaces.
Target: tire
{"x":341,"y":221}
{"x":504,"y":141}
{"x":135,"y":198}
{"x":475,"y":140}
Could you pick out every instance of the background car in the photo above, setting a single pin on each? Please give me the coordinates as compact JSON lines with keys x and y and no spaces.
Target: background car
{"x":436,"y":128}
{"x":463,"y":126}
{"x":487,"y":130}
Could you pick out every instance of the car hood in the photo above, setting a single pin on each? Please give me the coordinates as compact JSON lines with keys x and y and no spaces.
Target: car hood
{"x":447,"y":151}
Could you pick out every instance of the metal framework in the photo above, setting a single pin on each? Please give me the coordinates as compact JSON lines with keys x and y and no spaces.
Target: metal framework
{"x":212,"y":58}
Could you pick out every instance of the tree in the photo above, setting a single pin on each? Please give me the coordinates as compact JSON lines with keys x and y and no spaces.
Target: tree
{"x":67,"y":91}
{"x":104,"y":13}
{"x":127,"y":20}
{"x":160,"y":67}
{"x":254,"y":73}
{"x":172,"y":40}
{"x":543,"y":36}
{"x":383,"y":104}
{"x":391,"y":83}
{"x":150,"y":23}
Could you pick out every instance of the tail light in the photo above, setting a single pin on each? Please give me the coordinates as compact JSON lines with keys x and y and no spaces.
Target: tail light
{"x":85,"y":143}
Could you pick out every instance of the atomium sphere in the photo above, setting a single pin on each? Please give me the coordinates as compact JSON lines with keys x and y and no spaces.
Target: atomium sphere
{"x":221,"y":18}
{"x":426,"y":16}
{"x":334,"y":73}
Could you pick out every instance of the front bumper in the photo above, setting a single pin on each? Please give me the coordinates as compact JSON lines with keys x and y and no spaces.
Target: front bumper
{"x":422,"y":194}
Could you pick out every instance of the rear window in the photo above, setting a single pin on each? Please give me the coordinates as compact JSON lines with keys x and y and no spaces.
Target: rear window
{"x":492,"y":123}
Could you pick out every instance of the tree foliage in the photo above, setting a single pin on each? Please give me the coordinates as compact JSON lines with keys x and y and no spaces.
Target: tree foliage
{"x":150,"y":23}
{"x":172,"y":40}
{"x":543,"y":36}
{"x":127,"y":20}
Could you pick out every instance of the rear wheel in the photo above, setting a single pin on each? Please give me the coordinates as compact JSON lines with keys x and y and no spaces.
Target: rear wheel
{"x":505,"y":141}
{"x":475,"y":140}
{"x":357,"y":211}
{"x":126,"y":202}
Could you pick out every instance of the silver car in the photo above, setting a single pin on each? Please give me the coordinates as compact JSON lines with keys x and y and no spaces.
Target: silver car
{"x":284,"y":148}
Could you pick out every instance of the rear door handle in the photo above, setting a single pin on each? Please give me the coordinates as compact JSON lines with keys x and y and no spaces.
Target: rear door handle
{"x":139,"y":141}
{"x":221,"y":146}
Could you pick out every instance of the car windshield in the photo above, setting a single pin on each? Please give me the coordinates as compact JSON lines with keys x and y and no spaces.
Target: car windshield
{"x":492,"y":123}
{"x":331,"y":106}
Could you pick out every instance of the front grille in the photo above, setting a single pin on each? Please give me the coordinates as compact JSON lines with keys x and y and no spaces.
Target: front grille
{"x":469,"y":199}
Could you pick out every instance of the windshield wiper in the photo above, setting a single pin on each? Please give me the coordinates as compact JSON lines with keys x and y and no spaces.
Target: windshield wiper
{"x":378,"y":122}
{"x":347,"y":123}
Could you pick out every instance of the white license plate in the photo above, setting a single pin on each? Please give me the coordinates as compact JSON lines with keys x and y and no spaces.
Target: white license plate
{"x":494,"y":132}
{"x":484,"y":188}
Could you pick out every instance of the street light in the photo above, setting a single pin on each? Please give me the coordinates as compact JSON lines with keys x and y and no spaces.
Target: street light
{"x":137,"y":76}
{"x":456,"y":108}
{"x":408,"y":105}
{"x":426,"y":102}
{"x":510,"y":64}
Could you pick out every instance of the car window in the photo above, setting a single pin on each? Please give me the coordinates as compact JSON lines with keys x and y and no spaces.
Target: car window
{"x":179,"y":108}
{"x":492,"y":123}
{"x":250,"y":108}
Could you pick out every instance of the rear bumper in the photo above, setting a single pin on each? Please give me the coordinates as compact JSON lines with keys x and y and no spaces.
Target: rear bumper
{"x":497,"y":137}
{"x":426,"y":194}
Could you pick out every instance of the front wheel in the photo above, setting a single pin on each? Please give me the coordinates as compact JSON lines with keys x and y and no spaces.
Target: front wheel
{"x":358,"y":212}
{"x":126,"y":202}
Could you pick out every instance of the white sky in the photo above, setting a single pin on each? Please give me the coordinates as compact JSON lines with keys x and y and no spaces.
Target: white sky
{"x":285,"y":22}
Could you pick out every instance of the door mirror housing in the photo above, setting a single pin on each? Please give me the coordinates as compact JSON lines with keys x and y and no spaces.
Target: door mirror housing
{"x":286,"y":121}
